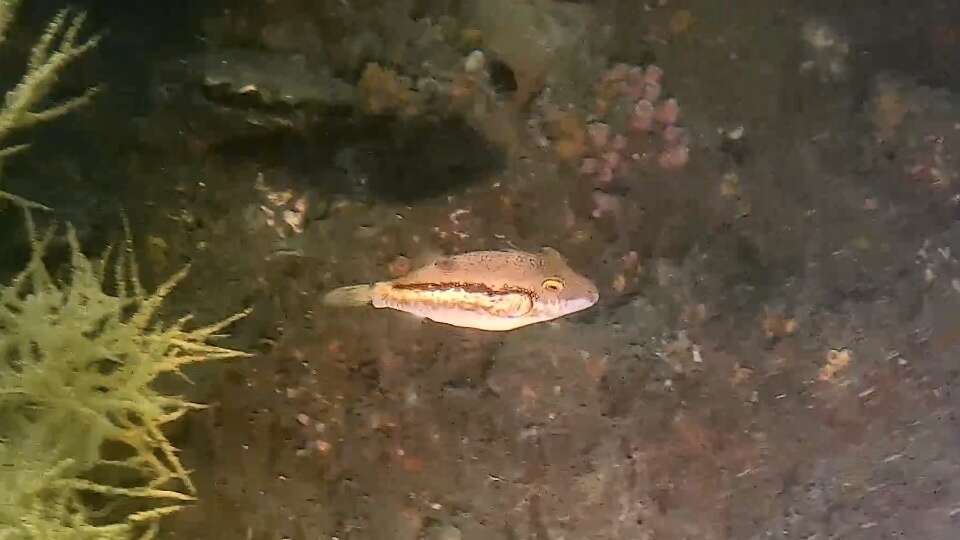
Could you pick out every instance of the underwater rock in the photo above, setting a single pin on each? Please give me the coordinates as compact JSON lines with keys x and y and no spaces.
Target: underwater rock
{"x":271,"y":80}
{"x":539,"y":42}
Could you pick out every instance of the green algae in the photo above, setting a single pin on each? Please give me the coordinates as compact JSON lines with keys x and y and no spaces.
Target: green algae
{"x":56,"y":49}
{"x":82,"y":449}
{"x":78,"y":358}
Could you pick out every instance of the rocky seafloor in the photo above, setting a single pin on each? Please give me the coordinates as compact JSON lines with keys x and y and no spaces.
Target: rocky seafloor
{"x":766,"y":194}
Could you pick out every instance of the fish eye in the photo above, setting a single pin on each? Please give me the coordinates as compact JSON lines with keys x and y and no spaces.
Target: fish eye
{"x":552,"y":284}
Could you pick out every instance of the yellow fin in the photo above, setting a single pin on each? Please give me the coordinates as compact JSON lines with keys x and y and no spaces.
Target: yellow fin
{"x":349,"y":296}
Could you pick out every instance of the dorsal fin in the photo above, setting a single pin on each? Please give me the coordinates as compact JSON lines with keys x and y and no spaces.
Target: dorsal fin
{"x":552,"y":255}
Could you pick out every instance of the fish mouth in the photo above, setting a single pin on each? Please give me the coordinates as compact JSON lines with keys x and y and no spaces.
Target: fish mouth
{"x":580,"y":304}
{"x":594,"y":296}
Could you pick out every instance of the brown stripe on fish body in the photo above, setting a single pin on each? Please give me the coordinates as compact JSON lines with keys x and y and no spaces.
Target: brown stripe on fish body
{"x":470,"y":297}
{"x":464,"y":286}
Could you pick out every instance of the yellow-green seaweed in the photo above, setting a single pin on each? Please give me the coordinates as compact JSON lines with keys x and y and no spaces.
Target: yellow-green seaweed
{"x":82,"y":451}
{"x":41,"y":499}
{"x":77,"y":361}
{"x":48,"y":59}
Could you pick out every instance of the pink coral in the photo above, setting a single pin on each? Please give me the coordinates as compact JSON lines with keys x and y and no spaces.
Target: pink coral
{"x":668,"y":112}
{"x":639,"y":90}
{"x":642,"y":118}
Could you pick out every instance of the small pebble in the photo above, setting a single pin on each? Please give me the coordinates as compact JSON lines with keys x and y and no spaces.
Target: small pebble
{"x":475,"y":62}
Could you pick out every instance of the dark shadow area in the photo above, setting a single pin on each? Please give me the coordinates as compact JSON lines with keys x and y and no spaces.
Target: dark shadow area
{"x":376,"y":157}
{"x":75,"y":163}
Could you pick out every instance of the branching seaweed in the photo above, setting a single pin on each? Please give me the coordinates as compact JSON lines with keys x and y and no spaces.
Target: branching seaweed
{"x":54,"y":51}
{"x":44,"y":499}
{"x":77,"y":361}
{"x":82,"y":449}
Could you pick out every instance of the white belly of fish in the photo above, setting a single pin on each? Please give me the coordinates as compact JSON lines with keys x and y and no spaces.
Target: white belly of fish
{"x":496,"y":311}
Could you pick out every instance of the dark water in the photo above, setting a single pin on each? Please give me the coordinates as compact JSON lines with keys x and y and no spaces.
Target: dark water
{"x":772,"y":232}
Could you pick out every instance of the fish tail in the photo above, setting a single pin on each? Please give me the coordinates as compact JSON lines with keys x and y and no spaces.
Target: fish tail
{"x":349,"y":296}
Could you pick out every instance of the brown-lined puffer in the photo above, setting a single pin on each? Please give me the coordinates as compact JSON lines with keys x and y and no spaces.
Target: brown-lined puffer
{"x":487,"y":290}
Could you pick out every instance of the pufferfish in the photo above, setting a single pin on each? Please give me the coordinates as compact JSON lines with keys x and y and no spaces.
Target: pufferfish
{"x":485,"y":290}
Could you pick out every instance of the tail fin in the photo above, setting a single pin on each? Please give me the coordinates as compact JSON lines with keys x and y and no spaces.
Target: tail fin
{"x":349,"y":296}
